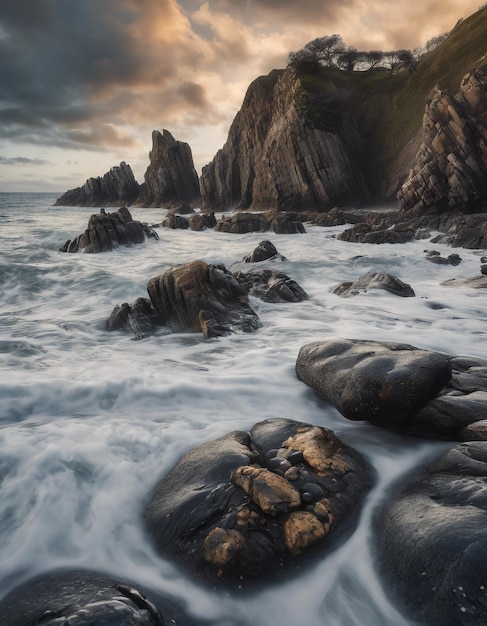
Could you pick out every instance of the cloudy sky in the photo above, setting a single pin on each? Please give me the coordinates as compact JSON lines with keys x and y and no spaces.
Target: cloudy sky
{"x":84,"y":82}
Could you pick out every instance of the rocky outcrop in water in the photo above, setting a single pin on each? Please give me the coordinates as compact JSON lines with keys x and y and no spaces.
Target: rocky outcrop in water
{"x":450,"y":171}
{"x":275,"y":157}
{"x":264,"y":251}
{"x":280,"y":223}
{"x":107,"y":231}
{"x":399,"y":386}
{"x":171,"y":176}
{"x":375,"y":280}
{"x":86,"y":597}
{"x":255,"y":504}
{"x":117,"y":187}
{"x":271,"y":286}
{"x":431,"y":537}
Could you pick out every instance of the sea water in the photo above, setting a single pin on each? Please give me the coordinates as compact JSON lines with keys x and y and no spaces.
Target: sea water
{"x":91,"y":420}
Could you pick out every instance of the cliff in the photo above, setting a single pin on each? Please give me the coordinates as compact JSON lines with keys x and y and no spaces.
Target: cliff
{"x":117,"y":187}
{"x":171,"y":176}
{"x":276,"y":157}
{"x":315,"y":140}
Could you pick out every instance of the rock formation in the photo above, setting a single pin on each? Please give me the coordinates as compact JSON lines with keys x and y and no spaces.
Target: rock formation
{"x":431,"y":538}
{"x":239,"y":223}
{"x":171,"y":176}
{"x":450,"y":170}
{"x":194,"y":297}
{"x":85,"y":597}
{"x":117,"y":187}
{"x":271,"y":286}
{"x":253,"y":504}
{"x":374,"y":280}
{"x":276,"y":158}
{"x":399,"y":386}
{"x":264,"y":251}
{"x":109,"y":230}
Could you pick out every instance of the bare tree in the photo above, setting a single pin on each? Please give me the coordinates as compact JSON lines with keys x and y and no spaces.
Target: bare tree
{"x":318,"y":52}
{"x":434,"y":42}
{"x":349,"y":58}
{"x":373,"y":58}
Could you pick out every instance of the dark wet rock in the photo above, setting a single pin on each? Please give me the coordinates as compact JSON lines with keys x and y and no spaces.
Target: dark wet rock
{"x":170,"y":177}
{"x":75,"y":597}
{"x":435,"y":257}
{"x":476,"y":282}
{"x":397,"y":385}
{"x":240,"y":223}
{"x":431,"y":538}
{"x":265,"y":250}
{"x":175,"y":221}
{"x":375,"y":280}
{"x":286,"y":224}
{"x":483,"y":269}
{"x":271,"y":286}
{"x":109,"y":230}
{"x":139,"y":318}
{"x":368,"y":233}
{"x":117,"y":187}
{"x":182,"y":293}
{"x":226,"y":512}
{"x":201,"y":221}
{"x":181,"y":209}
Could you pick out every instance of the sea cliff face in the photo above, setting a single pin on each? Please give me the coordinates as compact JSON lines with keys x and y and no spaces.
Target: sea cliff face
{"x":450,"y":168}
{"x":276,"y":157}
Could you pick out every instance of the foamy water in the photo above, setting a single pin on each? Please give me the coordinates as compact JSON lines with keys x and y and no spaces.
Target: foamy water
{"x":91,"y":420}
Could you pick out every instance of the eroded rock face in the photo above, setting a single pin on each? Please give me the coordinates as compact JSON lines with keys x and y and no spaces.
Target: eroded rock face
{"x":109,"y":230}
{"x":277,"y":158}
{"x":271,"y":286}
{"x":239,"y":223}
{"x":451,"y":164}
{"x":171,"y":176}
{"x":431,"y":536}
{"x":241,"y":506}
{"x":397,"y":385}
{"x":204,"y":298}
{"x":84,"y":597}
{"x":117,"y":187}
{"x":375,"y":280}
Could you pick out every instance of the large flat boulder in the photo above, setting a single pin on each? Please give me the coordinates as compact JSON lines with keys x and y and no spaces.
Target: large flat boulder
{"x":431,"y":540}
{"x":398,"y":386}
{"x":254,"y":504}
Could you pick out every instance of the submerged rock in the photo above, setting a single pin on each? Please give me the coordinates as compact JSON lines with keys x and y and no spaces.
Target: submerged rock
{"x":431,"y":538}
{"x":397,"y":385}
{"x":265,"y":250}
{"x":435,"y":257}
{"x":240,"y":223}
{"x":85,"y":597}
{"x":271,"y":286}
{"x":248,"y":505}
{"x":109,"y":230}
{"x":375,"y":280}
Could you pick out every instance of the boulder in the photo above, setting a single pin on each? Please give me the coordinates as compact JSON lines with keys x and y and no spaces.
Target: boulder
{"x":200,"y":297}
{"x":85,"y":597}
{"x":109,"y":230}
{"x":139,"y":318}
{"x":170,"y":177}
{"x":375,"y":280}
{"x":431,"y":539}
{"x":265,"y":250}
{"x":435,"y":257}
{"x":254,"y":504}
{"x":240,"y":223}
{"x":175,"y":221}
{"x":271,"y":286}
{"x":117,"y":187}
{"x":365,"y":232}
{"x":201,"y":221}
{"x":396,"y":385}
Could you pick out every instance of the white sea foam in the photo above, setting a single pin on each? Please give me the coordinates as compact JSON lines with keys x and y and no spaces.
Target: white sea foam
{"x":91,"y":420}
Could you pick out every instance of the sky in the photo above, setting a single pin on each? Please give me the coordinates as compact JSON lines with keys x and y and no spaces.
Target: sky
{"x":83,"y":83}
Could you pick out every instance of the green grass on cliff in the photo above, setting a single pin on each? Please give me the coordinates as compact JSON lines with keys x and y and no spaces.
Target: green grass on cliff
{"x":391,"y":107}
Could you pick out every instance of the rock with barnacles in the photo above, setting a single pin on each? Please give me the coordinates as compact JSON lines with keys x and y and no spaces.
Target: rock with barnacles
{"x":255,"y":504}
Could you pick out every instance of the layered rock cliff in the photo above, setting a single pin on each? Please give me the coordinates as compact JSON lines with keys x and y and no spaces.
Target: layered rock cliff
{"x":450,"y":170}
{"x":171,"y":176}
{"x":117,"y":187}
{"x":277,"y":157}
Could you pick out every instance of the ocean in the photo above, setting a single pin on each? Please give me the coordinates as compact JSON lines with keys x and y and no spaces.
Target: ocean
{"x":91,"y":420}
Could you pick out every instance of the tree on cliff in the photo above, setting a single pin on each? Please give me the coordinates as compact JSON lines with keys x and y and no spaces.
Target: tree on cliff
{"x":323,"y":51}
{"x":349,"y":58}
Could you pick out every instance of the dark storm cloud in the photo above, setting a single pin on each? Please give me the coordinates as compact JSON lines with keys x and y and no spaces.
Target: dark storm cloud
{"x":66,"y":63}
{"x":22,"y":161}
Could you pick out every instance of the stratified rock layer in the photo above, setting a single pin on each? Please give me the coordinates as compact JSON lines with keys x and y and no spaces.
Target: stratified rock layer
{"x":171,"y":176}
{"x":275,"y":158}
{"x":375,"y":280}
{"x":117,"y":187}
{"x":450,"y":170}
{"x":398,"y":386}
{"x":249,"y":504}
{"x":109,"y":230}
{"x":431,"y":538}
